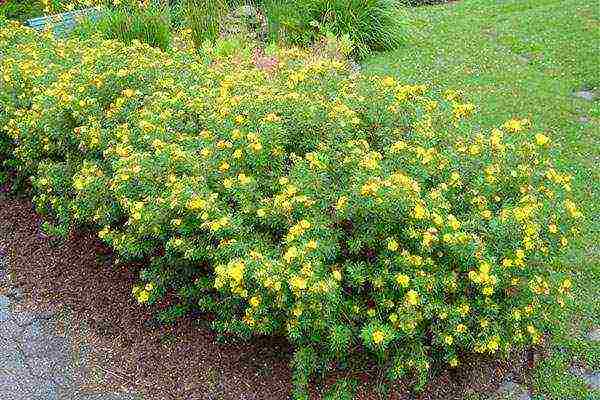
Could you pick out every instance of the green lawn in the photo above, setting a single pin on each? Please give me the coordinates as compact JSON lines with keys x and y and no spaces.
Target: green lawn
{"x":525,"y":58}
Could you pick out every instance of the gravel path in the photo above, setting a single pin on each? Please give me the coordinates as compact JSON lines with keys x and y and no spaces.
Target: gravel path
{"x":36,"y":362}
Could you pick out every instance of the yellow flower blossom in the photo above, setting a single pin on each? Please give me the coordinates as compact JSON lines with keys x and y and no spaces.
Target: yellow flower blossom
{"x":378,"y":336}
{"x":412,"y":297}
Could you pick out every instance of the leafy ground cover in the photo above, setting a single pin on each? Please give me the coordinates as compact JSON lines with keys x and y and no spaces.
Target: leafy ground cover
{"x":529,"y":58}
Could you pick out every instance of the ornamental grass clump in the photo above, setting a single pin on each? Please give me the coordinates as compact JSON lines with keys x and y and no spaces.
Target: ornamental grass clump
{"x":350,"y":213}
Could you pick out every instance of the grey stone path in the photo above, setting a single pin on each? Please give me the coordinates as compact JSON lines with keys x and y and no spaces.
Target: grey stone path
{"x":36,"y":363}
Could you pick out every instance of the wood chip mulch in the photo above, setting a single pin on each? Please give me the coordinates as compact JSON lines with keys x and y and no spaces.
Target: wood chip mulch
{"x":182,"y":361}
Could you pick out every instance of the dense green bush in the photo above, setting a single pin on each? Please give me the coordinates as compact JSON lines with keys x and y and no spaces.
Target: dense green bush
{"x":371,"y":24}
{"x":22,"y":10}
{"x":131,"y":20}
{"x":204,"y":19}
{"x":351,"y":213}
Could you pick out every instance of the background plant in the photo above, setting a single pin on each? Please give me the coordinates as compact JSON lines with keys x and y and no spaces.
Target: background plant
{"x":22,"y":10}
{"x":372,"y":218}
{"x":204,"y":19}
{"x":371,"y":24}
{"x":148,"y":22}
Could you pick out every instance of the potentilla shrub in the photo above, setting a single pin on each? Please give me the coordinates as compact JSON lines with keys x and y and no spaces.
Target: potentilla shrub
{"x":350,"y":213}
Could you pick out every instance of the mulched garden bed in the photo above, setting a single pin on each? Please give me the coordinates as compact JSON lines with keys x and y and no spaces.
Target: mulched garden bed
{"x":182,"y":361}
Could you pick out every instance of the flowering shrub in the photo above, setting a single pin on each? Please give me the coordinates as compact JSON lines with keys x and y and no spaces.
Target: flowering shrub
{"x":350,"y":213}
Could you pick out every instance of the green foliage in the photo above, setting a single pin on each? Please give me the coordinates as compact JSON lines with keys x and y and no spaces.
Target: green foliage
{"x":345,"y":211}
{"x":370,"y":24}
{"x":204,"y":19}
{"x":342,"y":390}
{"x":22,"y":10}
{"x":131,"y":21}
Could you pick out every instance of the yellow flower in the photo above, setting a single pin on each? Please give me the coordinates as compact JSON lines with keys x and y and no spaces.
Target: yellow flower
{"x":244,"y":180}
{"x":196,"y":203}
{"x":255,"y":301}
{"x":256,"y":146}
{"x":516,"y":125}
{"x":388,"y":81}
{"x":461,"y":328}
{"x":412,"y":297}
{"x":311,"y":245}
{"x":552,"y":228}
{"x":224,"y":166}
{"x":228,"y":183}
{"x":298,"y":282}
{"x":236,"y":272}
{"x":493,"y":344}
{"x":128,"y":93}
{"x":392,"y":245}
{"x":378,"y":336}
{"x":453,"y":362}
{"x":541,"y":139}
{"x":290,"y":254}
{"x":448,"y":340}
{"x":402,"y":280}
{"x":337,"y":275}
{"x":143,"y":296}
{"x":419,"y":212}
{"x":261,"y":213}
{"x":453,"y":222}
{"x":272,"y":117}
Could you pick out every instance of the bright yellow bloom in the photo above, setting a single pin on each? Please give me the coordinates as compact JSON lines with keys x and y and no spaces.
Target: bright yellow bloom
{"x":419,"y":212}
{"x":541,"y":139}
{"x":412,"y":297}
{"x":255,"y":301}
{"x":311,"y":245}
{"x":378,"y":336}
{"x":402,"y":280}
{"x":337,"y":275}
{"x":196,"y":203}
{"x":392,"y":245}
{"x":224,"y":166}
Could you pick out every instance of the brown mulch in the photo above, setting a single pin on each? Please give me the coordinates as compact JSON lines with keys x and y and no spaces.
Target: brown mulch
{"x":182,"y":361}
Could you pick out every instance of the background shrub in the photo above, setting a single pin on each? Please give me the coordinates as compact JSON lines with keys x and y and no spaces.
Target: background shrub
{"x":150,"y":23}
{"x":372,"y":218}
{"x":22,"y":10}
{"x":204,"y":18}
{"x":371,"y":24}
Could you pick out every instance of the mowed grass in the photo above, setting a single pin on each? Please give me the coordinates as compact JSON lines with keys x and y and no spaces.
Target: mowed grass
{"x":526,"y":58}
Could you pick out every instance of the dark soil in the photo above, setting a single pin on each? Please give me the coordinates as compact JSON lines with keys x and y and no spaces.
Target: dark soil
{"x":182,"y":361}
